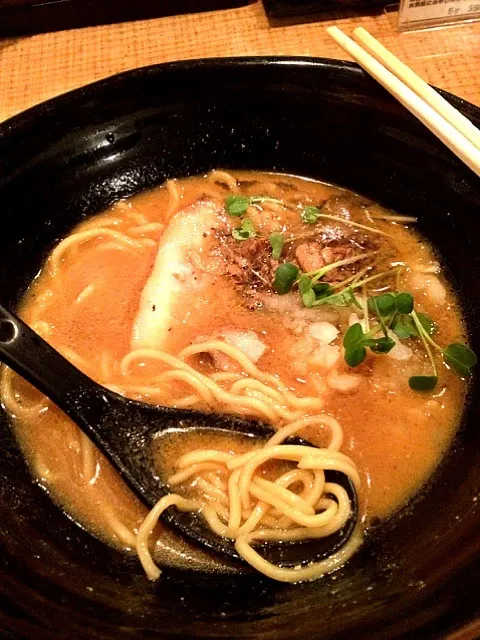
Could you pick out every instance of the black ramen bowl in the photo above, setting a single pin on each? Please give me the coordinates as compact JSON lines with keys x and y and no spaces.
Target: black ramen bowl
{"x":418,"y":575}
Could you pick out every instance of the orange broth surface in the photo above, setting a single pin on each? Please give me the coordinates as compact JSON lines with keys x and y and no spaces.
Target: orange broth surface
{"x":86,"y":308}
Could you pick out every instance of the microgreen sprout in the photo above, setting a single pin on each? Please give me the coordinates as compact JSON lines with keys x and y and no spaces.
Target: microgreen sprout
{"x":389,"y":308}
{"x":356,"y":341}
{"x":326,"y":293}
{"x":285,"y":276}
{"x":351,"y":279}
{"x":460,"y":357}
{"x":395,"y":311}
{"x":238,"y":205}
{"x":277,"y":241}
{"x":311,"y":215}
{"x":366,"y":319}
{"x":376,"y":276}
{"x":404,"y":326}
{"x":344,"y":298}
{"x":322,"y":271}
{"x":456,"y":355}
{"x":245,"y":232}
{"x":394,"y":218}
{"x":380,"y":312}
{"x":421,"y":382}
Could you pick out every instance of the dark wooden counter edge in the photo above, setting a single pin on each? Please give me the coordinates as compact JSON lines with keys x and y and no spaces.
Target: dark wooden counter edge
{"x":29,"y":17}
{"x":291,"y":12}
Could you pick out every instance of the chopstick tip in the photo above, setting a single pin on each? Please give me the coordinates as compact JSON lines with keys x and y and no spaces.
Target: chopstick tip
{"x":337,"y":34}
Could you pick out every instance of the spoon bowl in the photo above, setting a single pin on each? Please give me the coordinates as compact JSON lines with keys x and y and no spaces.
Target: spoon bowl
{"x":125,"y":431}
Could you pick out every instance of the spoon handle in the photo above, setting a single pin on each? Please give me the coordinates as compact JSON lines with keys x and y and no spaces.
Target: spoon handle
{"x":36,"y":361}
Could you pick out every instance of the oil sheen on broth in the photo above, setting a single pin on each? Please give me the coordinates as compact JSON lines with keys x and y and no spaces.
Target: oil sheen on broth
{"x":86,"y":303}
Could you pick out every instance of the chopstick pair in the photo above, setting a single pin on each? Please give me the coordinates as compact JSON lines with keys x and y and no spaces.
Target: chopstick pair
{"x":456,"y":131}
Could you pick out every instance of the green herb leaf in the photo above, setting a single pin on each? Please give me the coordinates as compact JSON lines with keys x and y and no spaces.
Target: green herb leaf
{"x":310,"y":215}
{"x":387,"y":304}
{"x":422,"y":383}
{"x":404,"y":327}
{"x":355,"y":355}
{"x":382,"y":345}
{"x":304,"y":285}
{"x":404,"y":303}
{"x":322,"y":289}
{"x":461,"y":358}
{"x":383,"y":305}
{"x":285,"y":276}
{"x":236,"y":205}
{"x":308,"y":298}
{"x":246,"y":231}
{"x":277,"y":241}
{"x":428,"y":324}
{"x":344,"y":298}
{"x":353,"y":334}
{"x":353,"y":342}
{"x":239,"y":234}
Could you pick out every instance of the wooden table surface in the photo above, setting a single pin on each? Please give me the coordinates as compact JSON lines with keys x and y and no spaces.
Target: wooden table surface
{"x":35,"y":68}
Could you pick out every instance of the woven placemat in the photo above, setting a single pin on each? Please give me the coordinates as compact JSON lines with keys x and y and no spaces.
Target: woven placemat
{"x":35,"y":68}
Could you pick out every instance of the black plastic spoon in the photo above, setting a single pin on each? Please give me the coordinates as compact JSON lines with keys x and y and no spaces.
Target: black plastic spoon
{"x":126,"y":431}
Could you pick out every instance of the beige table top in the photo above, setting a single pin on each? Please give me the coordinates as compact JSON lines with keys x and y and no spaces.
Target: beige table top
{"x":35,"y":68}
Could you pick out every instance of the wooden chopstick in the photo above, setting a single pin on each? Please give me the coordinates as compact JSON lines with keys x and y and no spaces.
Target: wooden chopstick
{"x":454,"y":139}
{"x":417,"y":84}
